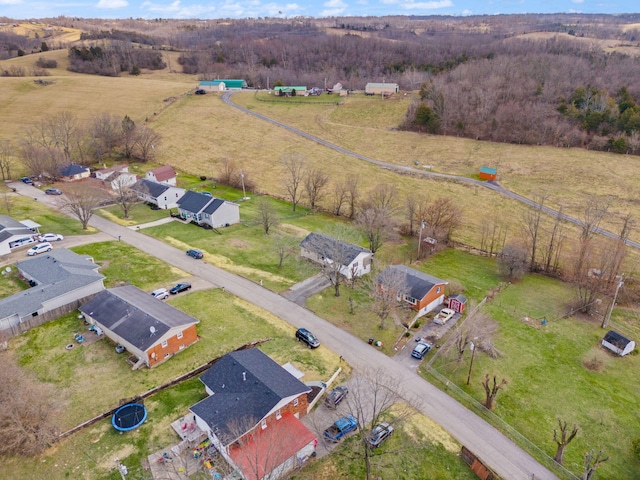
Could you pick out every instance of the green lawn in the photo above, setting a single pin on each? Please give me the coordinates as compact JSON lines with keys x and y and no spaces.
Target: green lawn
{"x":547,"y":374}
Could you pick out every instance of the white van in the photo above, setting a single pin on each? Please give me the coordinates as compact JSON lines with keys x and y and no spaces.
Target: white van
{"x":40,"y":248}
{"x":160,"y":294}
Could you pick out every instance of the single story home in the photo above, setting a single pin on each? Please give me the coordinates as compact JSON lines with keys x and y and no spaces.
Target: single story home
{"x":14,"y":234}
{"x":60,"y":281}
{"x":252,"y":415}
{"x":165,"y":174}
{"x":73,"y":171}
{"x":354,"y":260}
{"x":222,"y":85}
{"x":149,"y":328}
{"x":117,"y":177}
{"x":423,"y":291}
{"x":207,"y":210}
{"x":160,"y":194}
{"x":488,"y":173}
{"x":618,"y":343}
{"x":384,"y":89}
{"x":103,"y":173}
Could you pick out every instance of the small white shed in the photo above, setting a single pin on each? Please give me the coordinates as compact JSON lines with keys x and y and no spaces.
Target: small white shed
{"x":618,"y":343}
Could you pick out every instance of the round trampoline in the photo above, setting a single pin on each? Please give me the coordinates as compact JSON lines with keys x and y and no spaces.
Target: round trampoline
{"x":128,"y":417}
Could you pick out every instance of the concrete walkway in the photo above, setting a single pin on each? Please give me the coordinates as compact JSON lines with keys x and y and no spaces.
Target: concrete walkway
{"x":498,"y":452}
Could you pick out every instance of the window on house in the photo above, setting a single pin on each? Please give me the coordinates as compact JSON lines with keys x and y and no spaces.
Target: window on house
{"x":278,"y":414}
{"x":411,"y":300}
{"x":164,"y":344}
{"x":264,"y":424}
{"x":438,"y":290}
{"x":181,"y":347}
{"x":179,"y":335}
{"x":295,"y":402}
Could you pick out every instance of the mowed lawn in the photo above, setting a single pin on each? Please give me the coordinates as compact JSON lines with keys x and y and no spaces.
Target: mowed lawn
{"x":557,"y":370}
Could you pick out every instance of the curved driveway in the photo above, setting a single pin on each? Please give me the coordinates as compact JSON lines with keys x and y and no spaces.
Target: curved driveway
{"x":226,"y":98}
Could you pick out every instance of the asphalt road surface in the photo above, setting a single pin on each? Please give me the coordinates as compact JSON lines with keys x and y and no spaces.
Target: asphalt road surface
{"x":498,"y":452}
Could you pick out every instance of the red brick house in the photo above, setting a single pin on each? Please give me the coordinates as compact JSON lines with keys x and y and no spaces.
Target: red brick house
{"x":149,"y":328}
{"x":252,"y":415}
{"x":422,"y":291}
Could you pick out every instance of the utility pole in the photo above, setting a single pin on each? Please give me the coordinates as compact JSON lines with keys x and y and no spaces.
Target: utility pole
{"x":607,"y":317}
{"x":422,"y":225}
{"x":244,"y":194}
{"x":472,"y":346}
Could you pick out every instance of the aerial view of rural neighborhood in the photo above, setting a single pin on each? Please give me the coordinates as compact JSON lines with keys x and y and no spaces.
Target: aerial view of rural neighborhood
{"x":399,"y":247}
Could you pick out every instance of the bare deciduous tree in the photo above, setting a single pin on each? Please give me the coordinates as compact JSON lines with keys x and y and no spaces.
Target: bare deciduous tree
{"x":284,"y":245}
{"x":339,"y":197}
{"x":387,"y":290}
{"x":294,"y":174}
{"x":591,"y":464}
{"x":353,"y":194}
{"x":128,"y":128}
{"x":106,"y":132}
{"x":7,"y":202}
{"x":478,"y":328}
{"x":80,"y":200}
{"x":563,"y":438}
{"x":267,"y":215}
{"x":6,"y":159}
{"x":27,"y":412}
{"x":554,"y":247}
{"x":442,"y":218}
{"x":493,"y":235}
{"x":315,"y":182}
{"x":512,"y":261}
{"x":145,"y":142}
{"x":125,"y":197}
{"x":227,"y":171}
{"x":531,"y":226}
{"x":594,"y":211}
{"x":491,"y":390}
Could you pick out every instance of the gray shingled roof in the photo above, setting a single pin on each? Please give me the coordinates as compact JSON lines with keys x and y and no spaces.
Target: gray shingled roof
{"x":418,"y":283}
{"x":616,"y":339}
{"x":147,"y":187}
{"x":327,"y":247}
{"x":193,"y":202}
{"x":213,"y":205}
{"x":10,"y":227}
{"x":72,"y":169}
{"x":58,"y":272}
{"x":130,"y":313}
{"x":247,"y":385}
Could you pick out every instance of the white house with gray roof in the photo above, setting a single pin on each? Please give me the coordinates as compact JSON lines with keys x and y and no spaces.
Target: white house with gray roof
{"x":60,"y":280}
{"x":161,"y":194}
{"x":14,"y":234}
{"x":355,"y":261}
{"x":207,"y":210}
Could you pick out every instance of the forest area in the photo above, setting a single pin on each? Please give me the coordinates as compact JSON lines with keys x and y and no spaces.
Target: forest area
{"x":565,"y":80}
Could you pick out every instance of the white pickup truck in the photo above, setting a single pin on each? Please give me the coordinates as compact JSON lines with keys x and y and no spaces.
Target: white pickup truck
{"x":443,"y":316}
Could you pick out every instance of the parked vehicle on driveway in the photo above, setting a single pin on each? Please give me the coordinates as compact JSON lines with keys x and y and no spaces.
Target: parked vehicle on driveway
{"x":26,"y":180}
{"x":340,"y":428}
{"x":50,"y":237}
{"x":304,"y":335}
{"x":181,"y":287}
{"x":53,"y":191}
{"x":379,"y":434}
{"x":160,"y":293}
{"x":201,"y":91}
{"x":443,"y":316}
{"x":421,"y":350}
{"x":335,"y":396}
{"x":195,"y":253}
{"x":40,"y":248}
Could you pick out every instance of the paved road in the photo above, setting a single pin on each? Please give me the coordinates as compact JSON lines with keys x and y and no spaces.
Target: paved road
{"x":226,"y":98}
{"x":497,"y":451}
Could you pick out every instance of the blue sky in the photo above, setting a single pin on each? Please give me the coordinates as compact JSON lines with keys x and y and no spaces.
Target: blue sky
{"x":26,"y":9}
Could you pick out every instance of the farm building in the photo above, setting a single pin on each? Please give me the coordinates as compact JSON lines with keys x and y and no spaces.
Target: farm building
{"x":457,"y":302}
{"x":488,"y":173}
{"x":288,"y":90}
{"x":221,"y":85}
{"x":381,"y":89}
{"x":618,"y":343}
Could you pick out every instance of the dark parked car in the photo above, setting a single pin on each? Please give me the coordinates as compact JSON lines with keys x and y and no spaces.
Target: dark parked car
{"x":304,"y":335}
{"x":181,"y":287}
{"x":53,"y":191}
{"x":335,"y":396}
{"x":200,"y":91}
{"x":421,"y":350}
{"x":26,"y":180}
{"x":195,"y":253}
{"x":379,"y":434}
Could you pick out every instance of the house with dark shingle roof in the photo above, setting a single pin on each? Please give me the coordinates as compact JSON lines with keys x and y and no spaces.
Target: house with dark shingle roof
{"x":14,"y":234}
{"x":423,"y":292}
{"x":73,"y":171}
{"x":60,"y":281}
{"x":165,"y":174}
{"x":252,"y":414}
{"x":149,"y":328}
{"x":207,"y":210}
{"x":160,"y":194}
{"x":355,"y":261}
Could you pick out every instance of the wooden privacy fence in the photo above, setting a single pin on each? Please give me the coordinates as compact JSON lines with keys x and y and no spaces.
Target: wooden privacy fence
{"x":480,"y":469}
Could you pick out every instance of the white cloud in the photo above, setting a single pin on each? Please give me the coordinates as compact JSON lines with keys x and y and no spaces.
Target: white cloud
{"x":432,"y":5}
{"x":577,"y":1}
{"x":112,"y":4}
{"x":333,"y":8}
{"x":10,"y":2}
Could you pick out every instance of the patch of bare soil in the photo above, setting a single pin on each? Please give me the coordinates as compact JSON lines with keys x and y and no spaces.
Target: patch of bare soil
{"x":236,"y":242}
